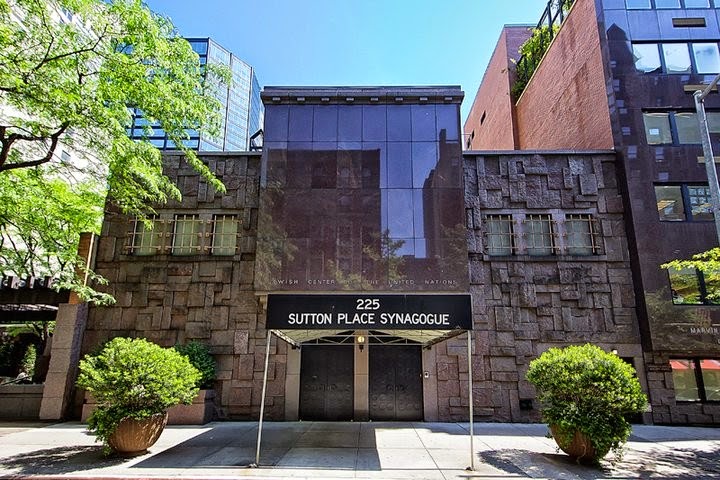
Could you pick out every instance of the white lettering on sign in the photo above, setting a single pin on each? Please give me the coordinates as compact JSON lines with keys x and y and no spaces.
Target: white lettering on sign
{"x":429,"y":319}
{"x":310,"y":319}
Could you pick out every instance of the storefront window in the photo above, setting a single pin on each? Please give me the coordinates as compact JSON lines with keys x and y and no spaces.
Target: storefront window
{"x":685,"y":381}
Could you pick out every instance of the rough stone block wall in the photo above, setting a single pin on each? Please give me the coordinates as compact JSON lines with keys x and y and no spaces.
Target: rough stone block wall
{"x":211,"y":299}
{"x":523,"y":305}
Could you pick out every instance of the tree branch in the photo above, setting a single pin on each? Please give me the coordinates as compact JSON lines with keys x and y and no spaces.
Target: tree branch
{"x":8,"y":141}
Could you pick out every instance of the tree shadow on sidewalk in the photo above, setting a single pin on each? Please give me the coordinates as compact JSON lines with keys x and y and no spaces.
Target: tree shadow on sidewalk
{"x":59,"y":460}
{"x":654,"y":463}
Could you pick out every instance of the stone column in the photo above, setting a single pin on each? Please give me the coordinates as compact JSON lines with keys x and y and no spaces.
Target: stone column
{"x":67,"y":339}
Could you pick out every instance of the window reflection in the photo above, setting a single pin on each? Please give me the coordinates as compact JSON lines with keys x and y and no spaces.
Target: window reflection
{"x":677,"y":57}
{"x":707,"y":57}
{"x":670,"y":203}
{"x":356,"y":201}
{"x":647,"y":57}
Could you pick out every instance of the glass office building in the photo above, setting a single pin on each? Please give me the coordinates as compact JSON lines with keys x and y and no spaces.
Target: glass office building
{"x":242,"y":114}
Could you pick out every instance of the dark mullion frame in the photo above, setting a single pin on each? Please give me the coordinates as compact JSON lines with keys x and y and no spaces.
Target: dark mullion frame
{"x":699,"y":380}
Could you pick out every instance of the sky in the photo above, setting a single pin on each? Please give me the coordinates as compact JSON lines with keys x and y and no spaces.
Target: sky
{"x":354,"y":42}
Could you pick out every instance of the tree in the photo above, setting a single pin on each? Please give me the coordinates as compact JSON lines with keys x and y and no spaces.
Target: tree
{"x":71,"y":73}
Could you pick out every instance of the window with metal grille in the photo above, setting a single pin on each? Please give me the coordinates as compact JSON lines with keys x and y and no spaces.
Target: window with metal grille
{"x":539,"y":234}
{"x":225,"y":234}
{"x":581,"y":235}
{"x":187,"y":235}
{"x":500,"y":236}
{"x":147,"y":239}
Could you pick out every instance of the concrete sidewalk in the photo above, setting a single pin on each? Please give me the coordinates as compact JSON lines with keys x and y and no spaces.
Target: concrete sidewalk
{"x":373,"y":450}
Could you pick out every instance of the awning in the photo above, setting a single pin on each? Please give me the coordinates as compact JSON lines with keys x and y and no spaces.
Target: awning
{"x":425,"y":319}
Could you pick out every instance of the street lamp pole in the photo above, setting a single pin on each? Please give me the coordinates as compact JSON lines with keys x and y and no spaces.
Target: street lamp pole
{"x":699,"y":97}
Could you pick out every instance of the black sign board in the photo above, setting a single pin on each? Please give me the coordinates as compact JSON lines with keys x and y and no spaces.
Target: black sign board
{"x":369,"y":312}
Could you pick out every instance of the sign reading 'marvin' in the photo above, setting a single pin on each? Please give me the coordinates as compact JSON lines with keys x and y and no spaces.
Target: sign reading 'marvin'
{"x":377,"y":312}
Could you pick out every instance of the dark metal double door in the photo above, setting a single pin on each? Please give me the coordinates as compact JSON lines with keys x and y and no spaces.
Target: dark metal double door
{"x":395,"y":383}
{"x":326,"y":382}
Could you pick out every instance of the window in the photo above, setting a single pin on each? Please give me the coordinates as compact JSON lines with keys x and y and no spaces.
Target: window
{"x":693,"y":287}
{"x":657,"y":128}
{"x":677,"y":57}
{"x":707,"y":57}
{"x":678,"y":203}
{"x":225,"y":233}
{"x":500,"y":235}
{"x":581,"y":232}
{"x":670,"y":205}
{"x":661,"y":4}
{"x":539,"y":235}
{"x":186,"y":235}
{"x":637,"y":4}
{"x":685,"y":286}
{"x":696,"y":379}
{"x":687,"y":127}
{"x":647,"y":57}
{"x":147,"y":239}
{"x":677,"y":128}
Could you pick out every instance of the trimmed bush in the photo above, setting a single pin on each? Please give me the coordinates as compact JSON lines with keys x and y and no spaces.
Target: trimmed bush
{"x":135,"y":378}
{"x":201,"y":358}
{"x":585,"y":389}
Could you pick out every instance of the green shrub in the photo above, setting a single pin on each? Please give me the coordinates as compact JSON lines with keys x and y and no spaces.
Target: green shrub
{"x":135,"y":378}
{"x":585,"y":389}
{"x":200,"y":357}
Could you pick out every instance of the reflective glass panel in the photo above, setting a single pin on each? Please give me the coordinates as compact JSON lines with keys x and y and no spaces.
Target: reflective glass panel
{"x":697,"y":3}
{"x":399,"y":123}
{"x":677,"y":57}
{"x":399,"y":165}
{"x":647,"y":57}
{"x":710,"y":370}
{"x":700,"y":202}
{"x":683,"y":373}
{"x":688,"y":130}
{"x":670,"y":203}
{"x":423,"y":122}
{"x":636,"y":4}
{"x":684,"y":286}
{"x":374,"y":123}
{"x":707,"y":57}
{"x":667,"y":3}
{"x":657,"y":128}
{"x":325,"y":123}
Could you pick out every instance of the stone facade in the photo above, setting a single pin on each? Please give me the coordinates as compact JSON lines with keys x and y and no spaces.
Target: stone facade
{"x":522,"y":304}
{"x":175,"y":299}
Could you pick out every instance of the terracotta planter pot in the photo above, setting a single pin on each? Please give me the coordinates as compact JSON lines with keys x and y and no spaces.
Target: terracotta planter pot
{"x":133,"y":437}
{"x":580,"y":447}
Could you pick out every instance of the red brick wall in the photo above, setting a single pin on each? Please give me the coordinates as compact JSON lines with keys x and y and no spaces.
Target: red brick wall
{"x":565,"y":105}
{"x":493,"y":96}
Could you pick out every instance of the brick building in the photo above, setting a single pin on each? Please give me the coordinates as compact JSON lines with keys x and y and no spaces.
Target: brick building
{"x":619,"y":74}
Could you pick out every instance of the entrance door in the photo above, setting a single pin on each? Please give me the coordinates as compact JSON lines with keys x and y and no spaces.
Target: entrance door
{"x":395,"y":382}
{"x":326,"y":382}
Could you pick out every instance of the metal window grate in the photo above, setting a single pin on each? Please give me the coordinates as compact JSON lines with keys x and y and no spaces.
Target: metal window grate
{"x":499,"y":235}
{"x":187,"y":235}
{"x":581,"y":235}
{"x":540,"y":235}
{"x":144,"y":240}
{"x":224,"y":235}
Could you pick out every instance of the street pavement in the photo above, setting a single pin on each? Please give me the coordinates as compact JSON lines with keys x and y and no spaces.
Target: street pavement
{"x":367,"y":450}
